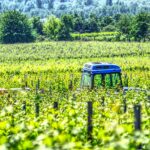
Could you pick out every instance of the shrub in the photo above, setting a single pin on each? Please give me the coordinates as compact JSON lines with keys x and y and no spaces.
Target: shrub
{"x":51,"y":27}
{"x":37,"y":25}
{"x":56,"y":30}
{"x":15,"y":28}
{"x":109,"y":28}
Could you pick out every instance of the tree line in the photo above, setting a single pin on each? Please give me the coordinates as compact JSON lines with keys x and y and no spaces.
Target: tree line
{"x":43,"y":8}
{"x":16,"y":27}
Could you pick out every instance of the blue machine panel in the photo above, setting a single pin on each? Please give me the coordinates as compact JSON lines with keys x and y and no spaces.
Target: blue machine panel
{"x":101,"y":68}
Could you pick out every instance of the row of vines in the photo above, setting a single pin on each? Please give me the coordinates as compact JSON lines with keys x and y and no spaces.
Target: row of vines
{"x":53,"y":113}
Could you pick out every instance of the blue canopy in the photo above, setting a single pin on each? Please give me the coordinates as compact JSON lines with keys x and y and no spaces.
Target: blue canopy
{"x":101,"y":68}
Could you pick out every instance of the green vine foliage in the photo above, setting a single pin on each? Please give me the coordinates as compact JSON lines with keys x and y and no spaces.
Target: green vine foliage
{"x":28,"y":119}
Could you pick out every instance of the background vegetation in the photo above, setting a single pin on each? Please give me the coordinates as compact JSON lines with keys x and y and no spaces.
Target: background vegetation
{"x":44,"y":8}
{"x":16,"y":27}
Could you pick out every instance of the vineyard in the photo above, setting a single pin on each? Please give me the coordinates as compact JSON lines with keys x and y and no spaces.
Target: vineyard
{"x":101,"y":36}
{"x":56,"y":114}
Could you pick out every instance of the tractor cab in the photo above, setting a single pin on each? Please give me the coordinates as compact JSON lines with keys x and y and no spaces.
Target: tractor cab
{"x":101,"y":75}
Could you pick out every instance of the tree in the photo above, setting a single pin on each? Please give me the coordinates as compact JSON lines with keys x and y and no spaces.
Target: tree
{"x":15,"y":28}
{"x":141,"y":25}
{"x":63,"y":33}
{"x":124,"y":25}
{"x":91,"y":25}
{"x":62,"y":1}
{"x":109,"y":2}
{"x":66,"y":27}
{"x":51,"y":27}
{"x":89,"y":2}
{"x":107,"y":21}
{"x":67,"y":20}
{"x":117,"y":17}
{"x":37,"y":25}
{"x":78,"y":23}
{"x":39,"y":3}
{"x":55,"y":29}
{"x":50,"y":4}
{"x":109,"y":28}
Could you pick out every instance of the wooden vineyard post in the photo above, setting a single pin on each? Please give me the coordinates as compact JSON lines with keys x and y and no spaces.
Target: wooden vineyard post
{"x":37,"y":109}
{"x":124,"y":105}
{"x":24,"y":106}
{"x":12,"y":119}
{"x":126,"y":80}
{"x":137,"y":121}
{"x":103,"y":101}
{"x":55,"y":105}
{"x":38,"y":85}
{"x":71,"y":83}
{"x":137,"y":117}
{"x":90,"y":126}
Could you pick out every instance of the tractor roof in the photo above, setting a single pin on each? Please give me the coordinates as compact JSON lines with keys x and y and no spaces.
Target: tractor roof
{"x":101,"y":68}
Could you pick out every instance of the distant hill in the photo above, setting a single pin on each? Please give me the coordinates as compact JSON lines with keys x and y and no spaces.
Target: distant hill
{"x":43,"y":8}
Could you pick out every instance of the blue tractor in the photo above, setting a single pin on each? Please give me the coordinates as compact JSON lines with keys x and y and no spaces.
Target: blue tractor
{"x":97,"y":75}
{"x":105,"y":75}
